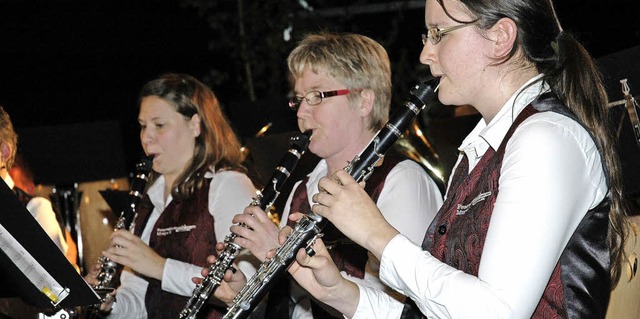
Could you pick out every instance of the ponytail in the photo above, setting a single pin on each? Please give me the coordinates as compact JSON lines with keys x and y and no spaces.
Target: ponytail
{"x":578,"y":83}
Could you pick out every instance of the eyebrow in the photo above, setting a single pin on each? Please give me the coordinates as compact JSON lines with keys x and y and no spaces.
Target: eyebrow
{"x":312,"y":88}
{"x":151,"y":119}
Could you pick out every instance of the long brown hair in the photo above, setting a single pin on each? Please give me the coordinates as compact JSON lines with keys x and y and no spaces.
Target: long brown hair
{"x":217,"y":146}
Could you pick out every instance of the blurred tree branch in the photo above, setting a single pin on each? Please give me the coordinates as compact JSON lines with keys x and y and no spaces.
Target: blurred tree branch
{"x":250,"y":37}
{"x":253,"y":39}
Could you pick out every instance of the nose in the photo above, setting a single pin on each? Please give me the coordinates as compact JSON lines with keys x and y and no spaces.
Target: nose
{"x":303,"y":109}
{"x":145,"y":136}
{"x":427,"y":55}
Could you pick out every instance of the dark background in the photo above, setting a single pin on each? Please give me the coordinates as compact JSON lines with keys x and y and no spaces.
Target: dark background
{"x":70,"y":69}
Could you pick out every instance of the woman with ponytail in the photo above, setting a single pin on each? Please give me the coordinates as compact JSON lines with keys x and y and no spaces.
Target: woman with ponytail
{"x":533,"y":221}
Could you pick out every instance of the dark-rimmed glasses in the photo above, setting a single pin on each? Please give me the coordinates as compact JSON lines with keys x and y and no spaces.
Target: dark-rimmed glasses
{"x":435,"y":35}
{"x":315,"y":97}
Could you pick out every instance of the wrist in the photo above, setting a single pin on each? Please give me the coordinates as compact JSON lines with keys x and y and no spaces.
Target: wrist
{"x":344,"y":297}
{"x":160,"y":270}
{"x":378,"y":242}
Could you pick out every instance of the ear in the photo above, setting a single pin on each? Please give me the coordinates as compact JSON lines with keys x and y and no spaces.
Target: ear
{"x":194,"y":125}
{"x":367,"y":99}
{"x":504,"y":33}
{"x":5,"y":151}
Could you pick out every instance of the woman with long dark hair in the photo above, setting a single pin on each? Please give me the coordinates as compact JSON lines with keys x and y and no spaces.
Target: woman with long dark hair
{"x":532,"y":224}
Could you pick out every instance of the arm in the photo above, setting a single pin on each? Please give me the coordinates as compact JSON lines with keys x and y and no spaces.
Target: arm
{"x":130,"y":298}
{"x":546,"y":186}
{"x":320,"y":276}
{"x":408,"y":202}
{"x":542,"y":197}
{"x":42,"y":211}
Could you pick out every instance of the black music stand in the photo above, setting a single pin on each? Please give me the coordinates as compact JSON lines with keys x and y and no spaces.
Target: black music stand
{"x":48,"y":261}
{"x":615,"y":67}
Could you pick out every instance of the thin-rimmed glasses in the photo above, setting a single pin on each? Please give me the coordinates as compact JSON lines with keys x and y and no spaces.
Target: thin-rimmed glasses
{"x":315,"y":97}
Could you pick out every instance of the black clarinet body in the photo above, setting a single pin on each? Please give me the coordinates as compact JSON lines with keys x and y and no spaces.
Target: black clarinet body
{"x":108,"y":268}
{"x":310,"y":226}
{"x":264,"y":200}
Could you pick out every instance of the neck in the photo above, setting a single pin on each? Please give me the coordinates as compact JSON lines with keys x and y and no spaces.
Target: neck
{"x":168,"y":185}
{"x":509,"y":82}
{"x":341,"y":160}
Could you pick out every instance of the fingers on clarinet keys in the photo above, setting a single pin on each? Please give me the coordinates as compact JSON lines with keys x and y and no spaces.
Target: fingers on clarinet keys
{"x":309,"y":248}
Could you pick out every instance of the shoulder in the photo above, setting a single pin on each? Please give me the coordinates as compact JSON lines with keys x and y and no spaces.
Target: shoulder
{"x":409,"y":172}
{"x":231,"y":179}
{"x":548,"y":144}
{"x":408,"y":169}
{"x":40,"y":203}
{"x":548,"y":130}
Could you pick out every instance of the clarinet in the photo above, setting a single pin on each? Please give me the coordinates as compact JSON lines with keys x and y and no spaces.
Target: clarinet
{"x":108,"y":268}
{"x":264,"y":200}
{"x":308,"y":229}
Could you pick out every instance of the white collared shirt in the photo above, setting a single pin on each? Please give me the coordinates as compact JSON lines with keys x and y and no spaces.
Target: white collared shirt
{"x":229,"y":193}
{"x":550,"y":177}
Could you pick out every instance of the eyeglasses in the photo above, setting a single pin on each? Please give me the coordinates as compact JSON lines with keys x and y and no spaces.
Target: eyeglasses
{"x":315,"y":97}
{"x":435,"y":35}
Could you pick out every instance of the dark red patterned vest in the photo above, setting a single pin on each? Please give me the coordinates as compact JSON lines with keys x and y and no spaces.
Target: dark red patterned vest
{"x":184,"y":231}
{"x":579,"y":286}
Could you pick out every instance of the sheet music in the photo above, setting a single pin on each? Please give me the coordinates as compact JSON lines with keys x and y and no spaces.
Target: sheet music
{"x":31,"y":268}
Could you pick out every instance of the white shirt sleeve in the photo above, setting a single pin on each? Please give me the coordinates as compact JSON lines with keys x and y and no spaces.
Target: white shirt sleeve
{"x":130,"y":298}
{"x":42,"y":211}
{"x":376,"y":304}
{"x":230,"y":192}
{"x":551,"y":176}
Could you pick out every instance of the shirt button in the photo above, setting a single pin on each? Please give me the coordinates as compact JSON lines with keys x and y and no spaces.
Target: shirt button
{"x":442,"y":229}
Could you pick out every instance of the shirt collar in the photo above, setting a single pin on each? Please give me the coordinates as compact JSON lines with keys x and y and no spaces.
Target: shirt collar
{"x":156,"y":190}
{"x":7,"y":179}
{"x":156,"y":193}
{"x":491,"y":135}
{"x":318,"y":172}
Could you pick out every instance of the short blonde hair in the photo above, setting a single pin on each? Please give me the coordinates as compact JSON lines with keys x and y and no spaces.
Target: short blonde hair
{"x":8,"y":135}
{"x":354,"y":60}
